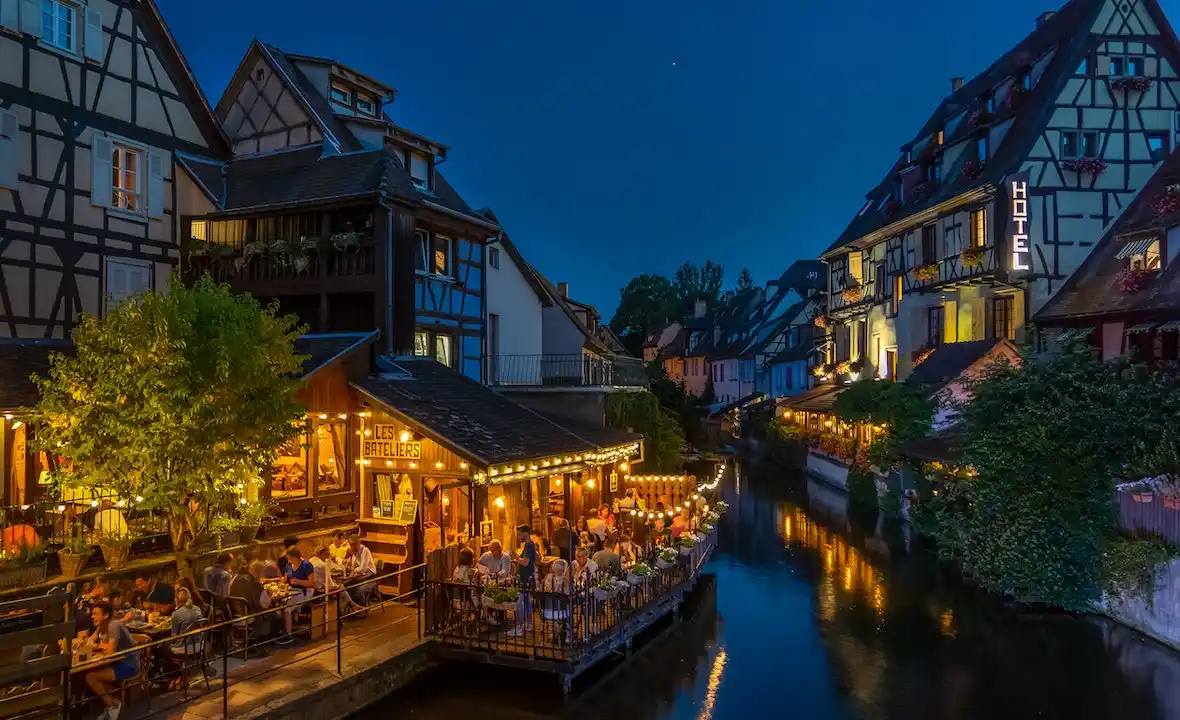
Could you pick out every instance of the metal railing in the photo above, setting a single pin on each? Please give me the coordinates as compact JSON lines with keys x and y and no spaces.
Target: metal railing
{"x":556,"y":626}
{"x":205,"y":651}
{"x":320,"y":263}
{"x":574,"y":370}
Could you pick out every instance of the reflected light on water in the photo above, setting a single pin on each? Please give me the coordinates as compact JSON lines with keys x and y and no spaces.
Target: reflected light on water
{"x":714,"y":684}
{"x":841,"y":560}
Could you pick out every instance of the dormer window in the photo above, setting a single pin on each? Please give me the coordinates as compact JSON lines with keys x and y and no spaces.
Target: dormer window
{"x":1142,"y":254}
{"x":366,"y":104}
{"x":1026,"y":81}
{"x":990,"y":103}
{"x":420,"y":170}
{"x":340,"y":94}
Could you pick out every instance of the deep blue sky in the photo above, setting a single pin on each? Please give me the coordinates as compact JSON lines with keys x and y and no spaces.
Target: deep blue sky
{"x":615,"y":138}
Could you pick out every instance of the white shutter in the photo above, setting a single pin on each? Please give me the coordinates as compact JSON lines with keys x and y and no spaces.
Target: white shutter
{"x":118,"y":283}
{"x":139,"y":279}
{"x":9,"y":149}
{"x":10,"y":15}
{"x":101,"y":182}
{"x":92,"y":43}
{"x":30,"y":20}
{"x":155,"y":188}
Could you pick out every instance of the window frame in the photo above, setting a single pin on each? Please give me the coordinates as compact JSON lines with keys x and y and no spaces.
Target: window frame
{"x":109,"y":262}
{"x":978,"y":220}
{"x":1135,"y":60}
{"x":349,"y":95}
{"x":1121,"y":66}
{"x":935,"y":325}
{"x":1075,"y":136}
{"x":929,"y":239}
{"x":1008,"y":305}
{"x":1085,"y":138}
{"x":370,"y":99}
{"x":123,"y":148}
{"x":494,"y":257}
{"x":426,"y":254}
{"x":75,"y":12}
{"x":433,"y":336}
{"x":1164,"y":149}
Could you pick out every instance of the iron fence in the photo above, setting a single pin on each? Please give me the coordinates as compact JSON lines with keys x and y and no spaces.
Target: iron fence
{"x":575,"y":370}
{"x":88,"y":512}
{"x":174,"y":668}
{"x":546,"y":625}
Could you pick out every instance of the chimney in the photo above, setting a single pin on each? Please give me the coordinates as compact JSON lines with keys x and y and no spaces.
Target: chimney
{"x":563,"y":289}
{"x":1044,"y":17}
{"x":956,"y":84}
{"x":699,"y":308}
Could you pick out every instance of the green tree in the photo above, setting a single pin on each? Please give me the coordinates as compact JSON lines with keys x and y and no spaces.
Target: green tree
{"x":646,"y":302}
{"x":178,"y":398}
{"x":905,"y":411}
{"x":663,"y":438}
{"x":745,"y":281}
{"x":697,"y":282}
{"x":1033,"y":517}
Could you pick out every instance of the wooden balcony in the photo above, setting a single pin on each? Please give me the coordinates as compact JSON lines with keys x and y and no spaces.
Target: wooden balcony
{"x":317,"y":269}
{"x":968,"y":267}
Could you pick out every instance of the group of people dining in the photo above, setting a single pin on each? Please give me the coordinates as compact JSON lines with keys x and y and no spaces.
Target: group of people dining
{"x":111,"y":616}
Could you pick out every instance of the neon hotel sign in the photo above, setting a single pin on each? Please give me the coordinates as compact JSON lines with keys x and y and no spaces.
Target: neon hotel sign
{"x":1018,"y":202}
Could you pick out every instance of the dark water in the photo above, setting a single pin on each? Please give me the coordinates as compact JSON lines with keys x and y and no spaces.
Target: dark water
{"x":811,"y":616}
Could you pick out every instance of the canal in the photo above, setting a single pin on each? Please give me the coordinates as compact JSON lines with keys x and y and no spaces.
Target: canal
{"x":811,"y":616}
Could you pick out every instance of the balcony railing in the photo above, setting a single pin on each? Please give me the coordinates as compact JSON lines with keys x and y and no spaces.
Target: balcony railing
{"x":971,"y":263}
{"x":582,"y":370}
{"x":269,"y":267}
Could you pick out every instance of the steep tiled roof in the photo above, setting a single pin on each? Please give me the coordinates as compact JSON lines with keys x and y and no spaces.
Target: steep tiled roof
{"x":468,"y":417}
{"x":317,"y":103}
{"x":948,"y":361}
{"x":603,"y":437}
{"x":305,"y":176}
{"x":322,"y":350}
{"x":1066,"y":32}
{"x":1093,"y":289}
{"x":19,"y":360}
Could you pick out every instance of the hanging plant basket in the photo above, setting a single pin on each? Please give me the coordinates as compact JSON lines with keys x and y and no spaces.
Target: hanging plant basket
{"x":852,"y":293}
{"x":927,"y":272}
{"x":971,"y":170}
{"x":1086,"y":166}
{"x":1132,"y":281}
{"x":114,"y":557}
{"x":819,"y":321}
{"x":972,"y":258}
{"x":71,"y":563}
{"x":1134,"y":83}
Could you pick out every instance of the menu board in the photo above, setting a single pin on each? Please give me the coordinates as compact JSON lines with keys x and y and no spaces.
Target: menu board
{"x":407,"y":511}
{"x":485,"y":532}
{"x":614,"y":482}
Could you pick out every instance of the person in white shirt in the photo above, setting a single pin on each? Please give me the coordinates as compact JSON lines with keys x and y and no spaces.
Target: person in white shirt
{"x":595,"y":525}
{"x":584,"y":568}
{"x":363,"y":568}
{"x":323,"y":563}
{"x":497,"y":562}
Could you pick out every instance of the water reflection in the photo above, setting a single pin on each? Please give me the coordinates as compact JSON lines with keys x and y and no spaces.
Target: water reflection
{"x":816,"y":615}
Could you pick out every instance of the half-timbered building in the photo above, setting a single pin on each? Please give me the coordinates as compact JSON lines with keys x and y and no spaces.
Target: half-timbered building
{"x":1007,"y":187}
{"x":339,"y":213}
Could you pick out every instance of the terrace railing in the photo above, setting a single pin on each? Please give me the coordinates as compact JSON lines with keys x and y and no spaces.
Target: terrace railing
{"x":325,"y":262}
{"x":552,"y":626}
{"x":573,"y":370}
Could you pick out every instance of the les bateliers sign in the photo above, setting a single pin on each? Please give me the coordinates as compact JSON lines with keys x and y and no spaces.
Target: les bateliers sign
{"x":385,"y":444}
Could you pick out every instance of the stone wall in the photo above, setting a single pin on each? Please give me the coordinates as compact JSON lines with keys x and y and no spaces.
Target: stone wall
{"x":1159,"y":618}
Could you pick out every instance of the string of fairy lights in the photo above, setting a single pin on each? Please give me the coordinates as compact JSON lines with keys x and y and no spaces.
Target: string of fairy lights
{"x":695,"y":497}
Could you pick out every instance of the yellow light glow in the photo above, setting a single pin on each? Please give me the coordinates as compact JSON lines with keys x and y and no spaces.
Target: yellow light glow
{"x":61,"y":508}
{"x":388,"y":463}
{"x":243,"y":501}
{"x":500,"y":501}
{"x":121,"y":503}
{"x":7,"y":416}
{"x":557,"y":482}
{"x":404,"y":436}
{"x":93,"y":503}
{"x":17,"y":425}
{"x":323,"y":416}
{"x":438,"y":464}
{"x":139,"y":498}
{"x":624,"y":467}
{"x":446,"y":500}
{"x":343,"y":416}
{"x":463,"y":465}
{"x":332,"y":460}
{"x":590,"y":484}
{"x":368,"y":433}
{"x":413,"y":465}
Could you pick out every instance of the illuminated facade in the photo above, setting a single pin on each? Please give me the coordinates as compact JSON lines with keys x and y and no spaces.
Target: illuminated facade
{"x":1002,"y":194}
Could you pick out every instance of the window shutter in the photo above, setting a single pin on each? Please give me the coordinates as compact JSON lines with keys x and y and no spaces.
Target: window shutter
{"x":155,"y":185}
{"x":117,"y":284}
{"x":139,"y":279}
{"x":10,"y":15}
{"x":30,"y":20}
{"x":92,"y":44}
{"x":100,"y":175}
{"x":9,"y":149}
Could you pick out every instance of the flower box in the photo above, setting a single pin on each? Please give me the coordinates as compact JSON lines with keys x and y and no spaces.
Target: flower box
{"x":637,"y":580}
{"x":1131,"y":281}
{"x":927,"y":272}
{"x":663,"y":564}
{"x":603,"y":594}
{"x":971,"y":170}
{"x":1168,"y":202}
{"x":1171,"y":503}
{"x":852,"y":293}
{"x":1134,"y":83}
{"x":686,"y":551}
{"x":1085,"y":166}
{"x":1144,"y":498}
{"x":972,"y":258}
{"x":19,"y":575}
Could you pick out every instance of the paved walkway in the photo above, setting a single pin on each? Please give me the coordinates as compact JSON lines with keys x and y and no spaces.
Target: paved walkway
{"x":263,"y":684}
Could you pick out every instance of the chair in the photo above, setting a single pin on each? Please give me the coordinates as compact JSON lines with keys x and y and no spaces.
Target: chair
{"x":375,"y":593}
{"x":140,"y":678}
{"x":193,"y":647}
{"x":239,"y":608}
{"x":215,"y":604}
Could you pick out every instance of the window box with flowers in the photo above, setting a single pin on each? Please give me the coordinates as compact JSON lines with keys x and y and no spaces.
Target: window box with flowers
{"x":971,"y":170}
{"x":927,"y":272}
{"x":1131,"y":280}
{"x":924,"y":190}
{"x":853,"y":293}
{"x":1134,"y":83}
{"x":1168,"y":202}
{"x":1086,"y":166}
{"x":819,"y":321}
{"x":971,"y":258}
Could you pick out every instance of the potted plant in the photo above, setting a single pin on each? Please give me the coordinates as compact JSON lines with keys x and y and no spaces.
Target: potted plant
{"x":250,"y":519}
{"x":971,"y":258}
{"x":74,"y":555}
{"x":687,"y":544}
{"x":499,"y":598}
{"x":927,"y":272}
{"x":666,"y":558}
{"x":346,"y":241}
{"x":1133,"y":83}
{"x":707,"y":529}
{"x":639,"y":573}
{"x":1083,"y":166}
{"x":852,"y":293}
{"x":605,"y":588}
{"x":1131,"y":281}
{"x":720,"y":507}
{"x":226,"y":530}
{"x":22,"y":565}
{"x":115,"y":548}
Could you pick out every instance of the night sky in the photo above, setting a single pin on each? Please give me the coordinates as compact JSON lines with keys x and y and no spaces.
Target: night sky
{"x":616,"y":138}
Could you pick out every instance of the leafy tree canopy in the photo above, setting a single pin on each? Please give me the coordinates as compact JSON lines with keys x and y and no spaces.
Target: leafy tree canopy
{"x":745,"y":281}
{"x":697,"y":282}
{"x":645,"y":303}
{"x":904,"y":410}
{"x":178,"y":398}
{"x":663,"y":438}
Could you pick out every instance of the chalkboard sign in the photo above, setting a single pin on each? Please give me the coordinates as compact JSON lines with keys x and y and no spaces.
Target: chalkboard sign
{"x":387,"y":508}
{"x":485,"y":532}
{"x":614,"y":482}
{"x":407,"y":511}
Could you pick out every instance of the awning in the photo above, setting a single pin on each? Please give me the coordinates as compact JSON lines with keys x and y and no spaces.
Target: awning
{"x":1074,"y":334}
{"x":1135,"y":247}
{"x":1140,"y":328}
{"x":817,"y":399}
{"x":1171,"y":325}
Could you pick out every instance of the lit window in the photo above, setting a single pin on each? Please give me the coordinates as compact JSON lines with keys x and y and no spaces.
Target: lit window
{"x":978,"y":228}
{"x":434,"y":254}
{"x":288,"y":471}
{"x":1149,"y":259}
{"x":442,"y":349}
{"x":939,"y":137}
{"x":855,"y":267}
{"x":898,"y":288}
{"x":340,"y":94}
{"x":199,"y":230}
{"x":366,"y":104}
{"x":57,"y":24}
{"x":422,"y":343}
{"x":125,"y":178}
{"x":1118,"y":66}
{"x":331,"y":443}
